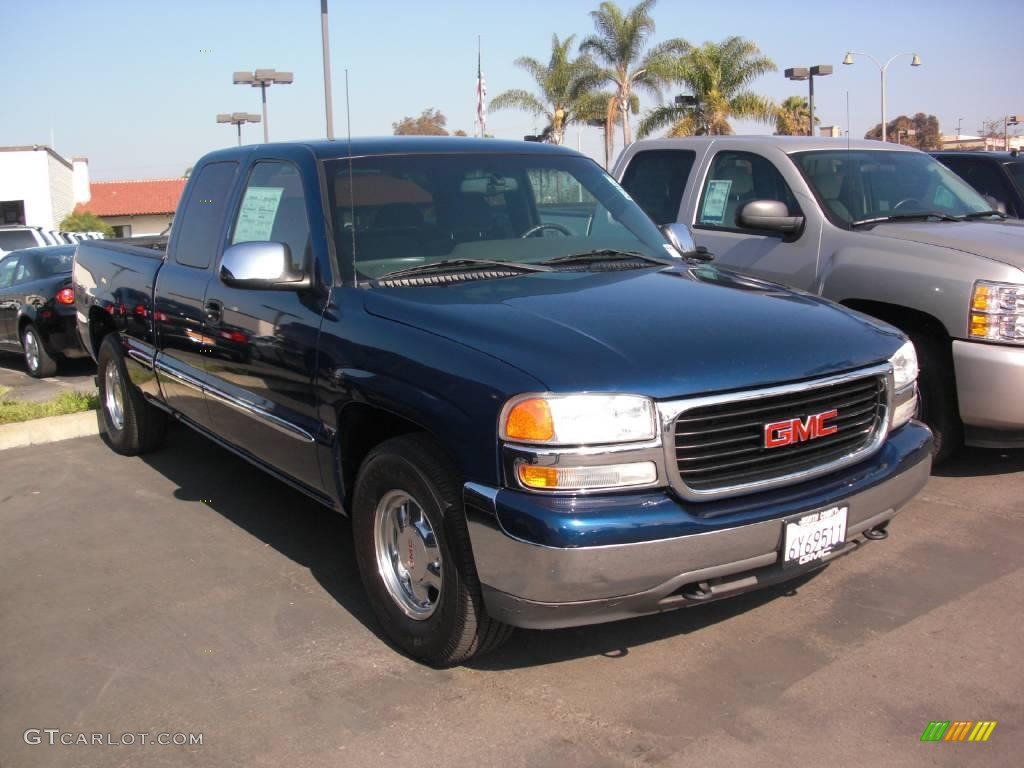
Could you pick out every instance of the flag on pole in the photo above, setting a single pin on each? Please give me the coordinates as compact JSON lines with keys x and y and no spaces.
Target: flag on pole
{"x":481,"y":95}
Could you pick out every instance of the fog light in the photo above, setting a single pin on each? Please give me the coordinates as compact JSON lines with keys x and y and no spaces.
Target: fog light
{"x":586,"y":478}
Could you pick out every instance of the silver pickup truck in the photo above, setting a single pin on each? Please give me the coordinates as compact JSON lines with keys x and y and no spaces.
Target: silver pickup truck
{"x":880,"y":228}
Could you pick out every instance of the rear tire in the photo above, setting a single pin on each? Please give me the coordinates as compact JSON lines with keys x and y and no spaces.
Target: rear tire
{"x":38,"y":361}
{"x":132,"y":425}
{"x":938,"y":402}
{"x":420,"y":577}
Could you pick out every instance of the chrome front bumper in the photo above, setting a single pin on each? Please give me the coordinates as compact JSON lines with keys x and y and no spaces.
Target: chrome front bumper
{"x":539,"y":586}
{"x":989,"y":383}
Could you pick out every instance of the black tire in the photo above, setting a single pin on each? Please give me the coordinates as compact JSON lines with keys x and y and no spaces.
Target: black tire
{"x":459,"y":627}
{"x":938,"y":407}
{"x":141,"y":426}
{"x":41,"y":363}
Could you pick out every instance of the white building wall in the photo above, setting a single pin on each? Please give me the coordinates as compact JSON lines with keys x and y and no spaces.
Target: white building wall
{"x":24,"y":176}
{"x":62,"y":197}
{"x":81,"y":179}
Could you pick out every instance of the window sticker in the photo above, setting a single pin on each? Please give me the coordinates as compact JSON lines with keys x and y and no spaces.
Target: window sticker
{"x":257,"y":214}
{"x":716,"y":198}
{"x":944,"y":198}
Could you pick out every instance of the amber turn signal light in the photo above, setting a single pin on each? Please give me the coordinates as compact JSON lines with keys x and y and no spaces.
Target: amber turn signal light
{"x":530,"y":420}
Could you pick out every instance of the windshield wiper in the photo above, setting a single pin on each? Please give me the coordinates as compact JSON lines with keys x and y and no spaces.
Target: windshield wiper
{"x":906,"y":217}
{"x":982,"y":214}
{"x":462,"y":265}
{"x":605,"y":254}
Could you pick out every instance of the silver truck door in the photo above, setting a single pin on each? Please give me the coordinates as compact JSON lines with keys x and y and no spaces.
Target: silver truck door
{"x":728,"y":180}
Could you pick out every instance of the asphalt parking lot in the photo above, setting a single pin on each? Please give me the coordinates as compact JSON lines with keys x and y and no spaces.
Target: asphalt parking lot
{"x":72,"y":376}
{"x":189,"y":593}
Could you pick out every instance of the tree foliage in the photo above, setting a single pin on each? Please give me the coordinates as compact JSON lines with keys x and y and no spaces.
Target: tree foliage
{"x":991,"y":129}
{"x":921,"y":131}
{"x":619,"y":46}
{"x":564,"y":88}
{"x":718,"y":75}
{"x":85,"y":221}
{"x":431,"y":122}
{"x":794,"y":117}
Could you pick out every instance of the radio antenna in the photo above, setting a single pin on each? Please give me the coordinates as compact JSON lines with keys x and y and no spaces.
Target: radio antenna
{"x":351,"y":183}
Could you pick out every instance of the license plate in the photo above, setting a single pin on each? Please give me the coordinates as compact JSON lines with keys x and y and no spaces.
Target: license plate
{"x":812,"y":536}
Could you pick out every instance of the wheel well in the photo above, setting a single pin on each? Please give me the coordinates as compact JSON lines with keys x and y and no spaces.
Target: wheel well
{"x":100,"y":325}
{"x":361,"y":428}
{"x":907,"y":320}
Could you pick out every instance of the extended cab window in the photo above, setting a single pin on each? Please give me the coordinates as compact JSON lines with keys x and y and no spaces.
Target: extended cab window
{"x":735,"y":179}
{"x":199,"y":235}
{"x":656,"y":179}
{"x":273,"y":209}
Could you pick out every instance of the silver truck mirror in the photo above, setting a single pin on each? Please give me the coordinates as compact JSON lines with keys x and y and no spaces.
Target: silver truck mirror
{"x":261,"y":266}
{"x":770,"y":215}
{"x":997,"y":205}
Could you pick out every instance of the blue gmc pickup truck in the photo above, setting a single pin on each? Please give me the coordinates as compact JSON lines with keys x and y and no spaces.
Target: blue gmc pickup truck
{"x":537,"y":409}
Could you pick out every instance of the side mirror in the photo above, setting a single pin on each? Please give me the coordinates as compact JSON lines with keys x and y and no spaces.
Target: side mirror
{"x":681,"y":238}
{"x":770,"y":215}
{"x":997,"y":205}
{"x":262,"y":266}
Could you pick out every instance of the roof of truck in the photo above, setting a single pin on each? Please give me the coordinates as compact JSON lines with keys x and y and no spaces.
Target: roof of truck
{"x":788,"y":144}
{"x":406,"y":145}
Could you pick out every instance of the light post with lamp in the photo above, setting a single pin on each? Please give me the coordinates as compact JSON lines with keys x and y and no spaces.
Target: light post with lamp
{"x":809,"y":73}
{"x":238,"y":119}
{"x":263,"y":79}
{"x":915,"y":62}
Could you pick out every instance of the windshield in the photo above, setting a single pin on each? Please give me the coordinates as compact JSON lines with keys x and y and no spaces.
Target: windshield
{"x":57,"y":260}
{"x":405,"y":211}
{"x":855,"y":185}
{"x":1017,"y":174}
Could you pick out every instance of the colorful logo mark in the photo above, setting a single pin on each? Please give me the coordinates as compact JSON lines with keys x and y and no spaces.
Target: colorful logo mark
{"x":958,"y":730}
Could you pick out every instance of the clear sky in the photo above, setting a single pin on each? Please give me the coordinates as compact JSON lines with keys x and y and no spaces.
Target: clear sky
{"x":125,"y":82}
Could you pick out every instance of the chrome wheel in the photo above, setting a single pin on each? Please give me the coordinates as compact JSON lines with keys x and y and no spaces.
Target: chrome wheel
{"x":113,"y":398}
{"x":408,"y":556}
{"x":31,"y":350}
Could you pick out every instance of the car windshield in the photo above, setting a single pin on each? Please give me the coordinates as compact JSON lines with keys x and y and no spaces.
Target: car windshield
{"x":863,"y":184}
{"x":1016,"y":170}
{"x":54,"y":261}
{"x":397,"y":212}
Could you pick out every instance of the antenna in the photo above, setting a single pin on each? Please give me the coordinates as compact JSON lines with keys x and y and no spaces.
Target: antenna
{"x":351,"y":183}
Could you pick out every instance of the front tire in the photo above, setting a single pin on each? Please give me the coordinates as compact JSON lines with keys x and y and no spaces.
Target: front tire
{"x":132,"y":425}
{"x":937,"y":389}
{"x":38,"y":361}
{"x":414,"y":556}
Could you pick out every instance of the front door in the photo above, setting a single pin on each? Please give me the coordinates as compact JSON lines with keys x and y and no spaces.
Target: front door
{"x":8,"y":304}
{"x":179,"y":308}
{"x":732,"y":179}
{"x":264,"y":343}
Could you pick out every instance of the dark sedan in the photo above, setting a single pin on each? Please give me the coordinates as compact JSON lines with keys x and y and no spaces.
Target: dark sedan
{"x":997,"y":175}
{"x":37,"y":307}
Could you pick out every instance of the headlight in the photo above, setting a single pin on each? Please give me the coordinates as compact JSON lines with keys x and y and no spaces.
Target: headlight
{"x":997,"y":312}
{"x":904,"y":366}
{"x":549,"y":419}
{"x":904,"y":373}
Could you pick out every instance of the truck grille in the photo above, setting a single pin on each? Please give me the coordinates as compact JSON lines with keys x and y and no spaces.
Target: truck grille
{"x":722,"y":447}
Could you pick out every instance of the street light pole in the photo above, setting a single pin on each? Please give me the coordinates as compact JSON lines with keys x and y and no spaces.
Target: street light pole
{"x":915,"y":62}
{"x":809,"y":73}
{"x":238,"y":119}
{"x":328,"y":106}
{"x":263,"y":79}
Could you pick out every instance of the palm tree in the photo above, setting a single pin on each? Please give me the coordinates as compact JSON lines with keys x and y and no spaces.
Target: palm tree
{"x":719,"y":77}
{"x":619,"y":46}
{"x":793,"y":117}
{"x":564,"y":86}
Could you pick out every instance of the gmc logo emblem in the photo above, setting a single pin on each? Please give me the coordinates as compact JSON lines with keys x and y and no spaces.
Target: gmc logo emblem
{"x":798,"y":430}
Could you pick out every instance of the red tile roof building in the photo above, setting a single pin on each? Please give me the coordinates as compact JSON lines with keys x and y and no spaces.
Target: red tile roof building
{"x":134,"y":208}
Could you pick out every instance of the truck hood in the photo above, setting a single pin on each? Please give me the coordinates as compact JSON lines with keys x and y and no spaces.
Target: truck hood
{"x":659,"y":332}
{"x":999,"y":240}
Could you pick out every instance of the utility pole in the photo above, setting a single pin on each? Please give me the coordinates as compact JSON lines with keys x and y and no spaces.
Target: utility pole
{"x":328,"y":105}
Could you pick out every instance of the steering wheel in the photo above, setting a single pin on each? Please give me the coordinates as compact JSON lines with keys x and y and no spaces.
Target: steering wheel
{"x":541,"y":227}
{"x":907,"y":201}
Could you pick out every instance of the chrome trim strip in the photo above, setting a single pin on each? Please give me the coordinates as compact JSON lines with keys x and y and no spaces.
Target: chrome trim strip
{"x":274,"y":422}
{"x":670,"y":411}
